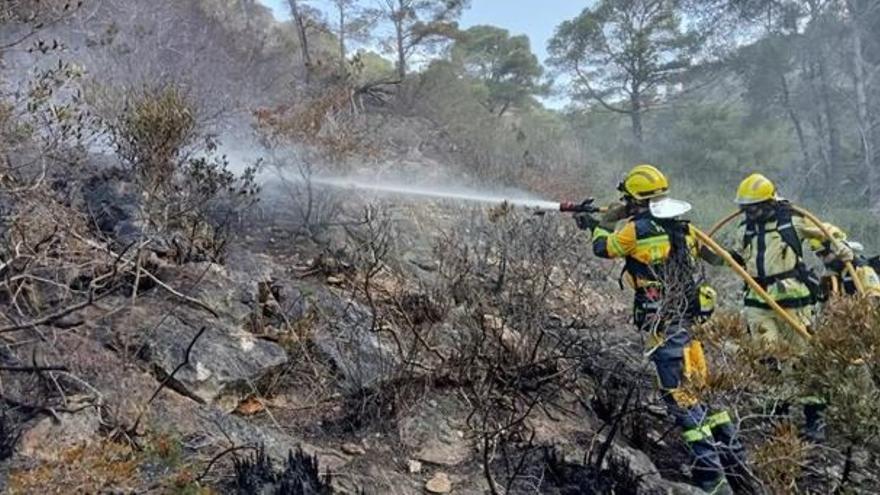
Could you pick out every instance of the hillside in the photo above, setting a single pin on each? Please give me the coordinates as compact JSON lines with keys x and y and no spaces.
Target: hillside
{"x":201,"y":294}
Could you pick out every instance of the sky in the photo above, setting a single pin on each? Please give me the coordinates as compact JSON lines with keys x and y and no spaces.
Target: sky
{"x":536,"y":18}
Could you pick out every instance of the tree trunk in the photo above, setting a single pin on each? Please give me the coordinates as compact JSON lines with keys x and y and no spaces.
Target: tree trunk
{"x":342,"y":51}
{"x":824,"y":92}
{"x":635,"y":116}
{"x":834,"y":154}
{"x":863,"y":107}
{"x":796,"y":122}
{"x":303,"y":38}
{"x":401,"y":48}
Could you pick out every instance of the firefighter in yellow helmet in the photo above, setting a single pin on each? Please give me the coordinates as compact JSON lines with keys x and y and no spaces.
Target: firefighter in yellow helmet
{"x":772,"y":253}
{"x":835,"y":268}
{"x":660,"y":254}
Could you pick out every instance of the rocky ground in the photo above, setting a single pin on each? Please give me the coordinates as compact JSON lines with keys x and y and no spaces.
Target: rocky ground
{"x":287,"y":345}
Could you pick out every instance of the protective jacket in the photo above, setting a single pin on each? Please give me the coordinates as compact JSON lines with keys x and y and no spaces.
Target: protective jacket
{"x":659,"y":265}
{"x":772,"y":253}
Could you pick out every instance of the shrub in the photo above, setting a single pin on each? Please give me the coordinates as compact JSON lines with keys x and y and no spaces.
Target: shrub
{"x":152,"y":132}
{"x":189,"y":196}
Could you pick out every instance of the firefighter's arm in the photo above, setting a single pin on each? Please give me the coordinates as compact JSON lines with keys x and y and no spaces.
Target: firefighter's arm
{"x":607,"y":244}
{"x":809,"y":231}
{"x":704,"y":252}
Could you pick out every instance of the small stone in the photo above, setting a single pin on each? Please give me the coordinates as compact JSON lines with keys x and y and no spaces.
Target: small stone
{"x":250,"y":406}
{"x":333,"y":280}
{"x":415,"y":467}
{"x":353,"y":449}
{"x":439,"y":484}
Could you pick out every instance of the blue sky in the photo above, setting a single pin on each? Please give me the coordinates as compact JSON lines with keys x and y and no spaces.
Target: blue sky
{"x":535,"y":18}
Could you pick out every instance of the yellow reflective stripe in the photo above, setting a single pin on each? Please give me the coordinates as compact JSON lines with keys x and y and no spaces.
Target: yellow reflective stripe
{"x":798,"y":292}
{"x":655,"y":247}
{"x":653,"y":241}
{"x":614,"y":247}
{"x":697,"y":434}
{"x":718,"y":419}
{"x":599,"y":233}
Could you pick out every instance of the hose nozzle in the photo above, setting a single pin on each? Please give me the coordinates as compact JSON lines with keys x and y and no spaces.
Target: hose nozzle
{"x":585,"y":206}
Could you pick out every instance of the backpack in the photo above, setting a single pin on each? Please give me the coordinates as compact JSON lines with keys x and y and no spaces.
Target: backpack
{"x":785,"y":227}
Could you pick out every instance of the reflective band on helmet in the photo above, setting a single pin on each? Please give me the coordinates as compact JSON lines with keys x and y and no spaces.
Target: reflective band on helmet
{"x":698,"y":434}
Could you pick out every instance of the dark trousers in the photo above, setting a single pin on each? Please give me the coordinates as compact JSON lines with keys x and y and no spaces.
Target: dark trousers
{"x":710,"y":435}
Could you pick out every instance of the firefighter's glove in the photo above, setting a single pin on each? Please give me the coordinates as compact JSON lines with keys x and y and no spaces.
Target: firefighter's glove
{"x":614,"y":213}
{"x":585,"y":221}
{"x":843,"y":252}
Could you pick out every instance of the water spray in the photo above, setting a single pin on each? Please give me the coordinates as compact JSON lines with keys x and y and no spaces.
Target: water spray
{"x":458,"y":194}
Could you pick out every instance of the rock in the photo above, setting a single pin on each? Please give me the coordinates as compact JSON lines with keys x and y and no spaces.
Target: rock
{"x":222,"y":361}
{"x":211,"y":284}
{"x":345,"y":336}
{"x":434,"y":434}
{"x":440,"y":483}
{"x":353,"y":449}
{"x":421,"y":260}
{"x":334,"y":280}
{"x":112,"y":201}
{"x":250,"y":406}
{"x":415,"y":467}
{"x":641,"y":468}
{"x":48,"y":438}
{"x":223,"y":428}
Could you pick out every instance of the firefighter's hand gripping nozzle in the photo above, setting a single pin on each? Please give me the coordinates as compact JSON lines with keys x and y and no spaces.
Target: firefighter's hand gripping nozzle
{"x":582,"y":213}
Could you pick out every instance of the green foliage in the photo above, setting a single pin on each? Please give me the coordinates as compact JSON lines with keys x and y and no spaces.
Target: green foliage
{"x":622,"y":53}
{"x":188,"y":191}
{"x":844,"y":362}
{"x":152,"y":132}
{"x":417,"y":26}
{"x":504,"y":63}
{"x":529,"y":147}
{"x":698,"y":141}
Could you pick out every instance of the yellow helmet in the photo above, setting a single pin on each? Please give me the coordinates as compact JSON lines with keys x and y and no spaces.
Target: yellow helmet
{"x":644,"y":182}
{"x":755,"y":189}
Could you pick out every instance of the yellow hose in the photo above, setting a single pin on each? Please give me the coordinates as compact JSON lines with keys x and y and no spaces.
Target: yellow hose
{"x":848,"y":264}
{"x":724,"y":221}
{"x":860,"y":288}
{"x":797,"y":325}
{"x":835,"y":287}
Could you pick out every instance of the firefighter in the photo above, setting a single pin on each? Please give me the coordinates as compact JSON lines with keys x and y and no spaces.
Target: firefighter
{"x":659,"y":251}
{"x":834,"y":266}
{"x":772,"y":253}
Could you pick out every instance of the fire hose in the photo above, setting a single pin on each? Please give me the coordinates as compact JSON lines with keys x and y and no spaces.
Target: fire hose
{"x":755,"y":286}
{"x":588,"y":207}
{"x":815,"y":221}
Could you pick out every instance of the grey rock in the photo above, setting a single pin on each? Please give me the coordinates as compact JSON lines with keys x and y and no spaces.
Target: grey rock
{"x":422,"y":260}
{"x":222,"y":361}
{"x":433,"y":432}
{"x":112,"y":202}
{"x":225,"y":428}
{"x":211,"y":284}
{"x":641,"y":467}
{"x":345,"y":335}
{"x":49,"y":438}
